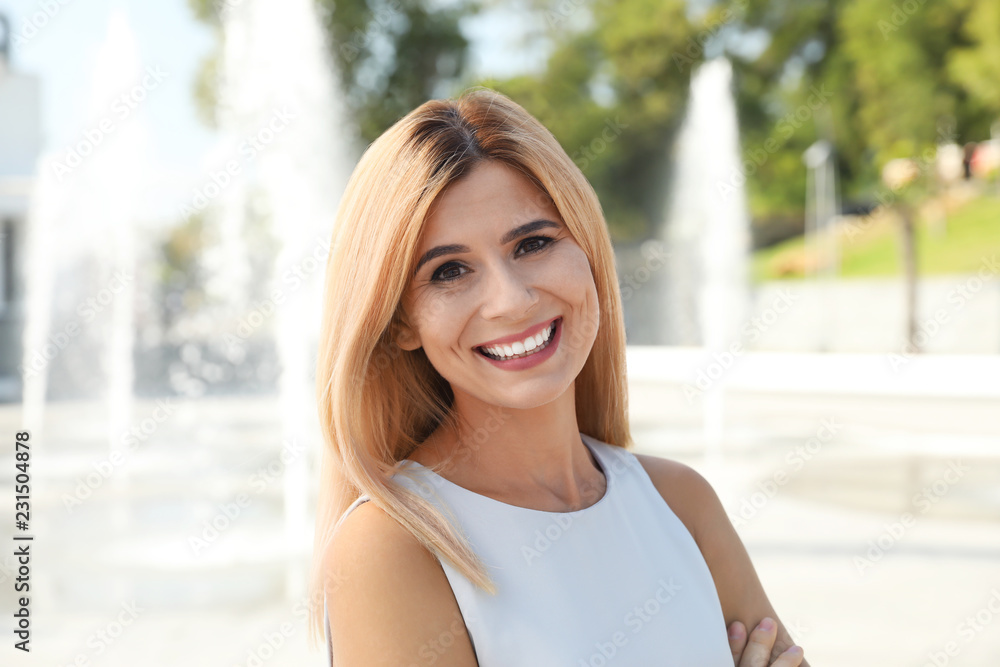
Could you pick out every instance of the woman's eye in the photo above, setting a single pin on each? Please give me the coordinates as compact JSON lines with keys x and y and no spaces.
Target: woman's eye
{"x":446,"y":272}
{"x":535,"y":243}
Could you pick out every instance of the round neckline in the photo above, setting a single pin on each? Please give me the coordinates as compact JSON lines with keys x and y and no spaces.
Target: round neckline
{"x":583,"y":438}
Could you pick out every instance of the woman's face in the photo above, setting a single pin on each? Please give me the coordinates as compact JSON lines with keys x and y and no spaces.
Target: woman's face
{"x":497,"y":266}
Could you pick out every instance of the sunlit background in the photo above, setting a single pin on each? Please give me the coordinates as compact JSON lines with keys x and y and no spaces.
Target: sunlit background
{"x":805,"y":205}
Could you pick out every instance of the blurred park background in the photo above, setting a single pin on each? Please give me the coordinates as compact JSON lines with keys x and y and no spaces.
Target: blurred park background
{"x":805,"y":203}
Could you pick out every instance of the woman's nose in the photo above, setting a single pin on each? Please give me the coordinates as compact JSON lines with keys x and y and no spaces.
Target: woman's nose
{"x":508,"y":294}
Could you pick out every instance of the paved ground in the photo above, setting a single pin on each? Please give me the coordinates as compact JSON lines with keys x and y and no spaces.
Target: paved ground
{"x":869,"y":548}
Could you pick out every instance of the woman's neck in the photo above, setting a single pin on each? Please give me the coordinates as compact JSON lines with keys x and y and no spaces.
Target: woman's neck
{"x":527,"y":457}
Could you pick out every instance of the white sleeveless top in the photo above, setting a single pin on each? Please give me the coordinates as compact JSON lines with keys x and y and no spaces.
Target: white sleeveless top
{"x":620,"y":583}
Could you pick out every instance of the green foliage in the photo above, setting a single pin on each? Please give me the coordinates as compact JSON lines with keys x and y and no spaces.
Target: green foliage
{"x":180,"y":274}
{"x":896,"y":61}
{"x":906,"y":76}
{"x":613,"y":94}
{"x":206,"y":84}
{"x":392,"y":55}
{"x":902,"y":76}
{"x":975,"y":67}
{"x":395,"y":55}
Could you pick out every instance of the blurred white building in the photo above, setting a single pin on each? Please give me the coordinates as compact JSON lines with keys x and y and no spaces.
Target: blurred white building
{"x":20,"y":145}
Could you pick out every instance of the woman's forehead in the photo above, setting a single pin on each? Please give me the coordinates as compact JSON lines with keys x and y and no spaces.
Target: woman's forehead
{"x":491,"y":194}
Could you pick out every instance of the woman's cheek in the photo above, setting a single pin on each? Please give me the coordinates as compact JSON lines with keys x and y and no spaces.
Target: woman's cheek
{"x":587,"y":318}
{"x":572,"y":273}
{"x":435,"y":307}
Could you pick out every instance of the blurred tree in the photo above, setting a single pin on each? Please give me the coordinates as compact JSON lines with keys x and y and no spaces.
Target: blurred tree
{"x":904,"y":99}
{"x":976,"y":66}
{"x":393,"y":55}
{"x":612,"y":92}
{"x":880,"y":79}
{"x":901,"y":77}
{"x":779,"y":50}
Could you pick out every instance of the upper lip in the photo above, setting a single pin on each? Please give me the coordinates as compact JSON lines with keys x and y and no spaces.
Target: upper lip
{"x":530,"y":331}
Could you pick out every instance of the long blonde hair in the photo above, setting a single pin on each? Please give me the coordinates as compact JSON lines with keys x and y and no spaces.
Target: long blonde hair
{"x":377,"y":402}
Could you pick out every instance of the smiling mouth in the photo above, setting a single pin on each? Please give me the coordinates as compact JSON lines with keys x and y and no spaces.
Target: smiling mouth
{"x":529,"y":346}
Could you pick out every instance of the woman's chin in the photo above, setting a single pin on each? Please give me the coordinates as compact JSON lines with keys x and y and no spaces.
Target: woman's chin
{"x":526,"y":397}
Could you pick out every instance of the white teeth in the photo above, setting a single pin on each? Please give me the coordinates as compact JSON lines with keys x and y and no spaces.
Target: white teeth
{"x":522,"y":348}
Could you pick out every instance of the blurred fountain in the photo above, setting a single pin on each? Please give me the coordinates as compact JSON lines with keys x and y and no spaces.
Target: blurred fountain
{"x":81,"y":233}
{"x":227,"y":264}
{"x":708,"y":234}
{"x":48,"y":205}
{"x":116,"y":176}
{"x":80,"y":291}
{"x":284,"y":90}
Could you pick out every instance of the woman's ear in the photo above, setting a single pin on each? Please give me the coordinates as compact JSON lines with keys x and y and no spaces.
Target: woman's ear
{"x":404,"y":335}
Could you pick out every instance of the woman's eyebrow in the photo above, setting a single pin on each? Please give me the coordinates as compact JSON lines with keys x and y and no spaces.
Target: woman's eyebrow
{"x":437,"y":251}
{"x":526,"y":228}
{"x":455,"y":248}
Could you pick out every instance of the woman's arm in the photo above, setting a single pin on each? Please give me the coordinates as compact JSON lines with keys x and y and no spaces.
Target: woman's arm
{"x":389,"y":600}
{"x":696,"y":504}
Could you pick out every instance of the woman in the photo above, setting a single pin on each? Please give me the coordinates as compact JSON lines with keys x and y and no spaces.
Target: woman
{"x":471,"y":382}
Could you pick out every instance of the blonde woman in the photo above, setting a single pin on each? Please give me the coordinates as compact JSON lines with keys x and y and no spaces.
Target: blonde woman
{"x":479,"y":502}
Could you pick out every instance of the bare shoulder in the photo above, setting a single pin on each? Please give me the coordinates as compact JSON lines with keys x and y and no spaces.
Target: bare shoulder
{"x":389,"y":600}
{"x":697,"y":505}
{"x":683,"y":488}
